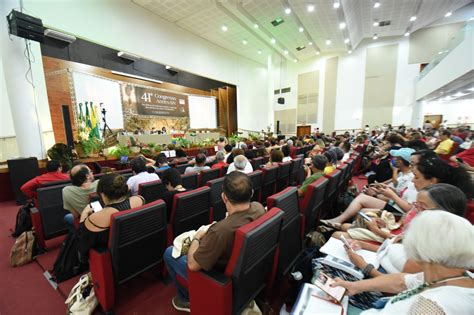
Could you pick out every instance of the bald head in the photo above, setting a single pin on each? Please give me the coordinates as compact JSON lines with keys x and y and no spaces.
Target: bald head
{"x":80,"y":174}
{"x":240,"y":162}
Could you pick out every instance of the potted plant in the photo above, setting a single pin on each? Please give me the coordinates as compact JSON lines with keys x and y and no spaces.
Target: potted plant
{"x":119,"y":150}
{"x":62,"y":153}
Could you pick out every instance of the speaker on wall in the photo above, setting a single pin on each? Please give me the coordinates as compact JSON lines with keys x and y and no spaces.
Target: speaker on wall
{"x":278,"y":127}
{"x":281,"y":100}
{"x":25,"y":26}
{"x":67,"y":126}
{"x":22,"y":170}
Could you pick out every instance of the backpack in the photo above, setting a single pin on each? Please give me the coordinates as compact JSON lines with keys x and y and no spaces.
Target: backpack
{"x":24,"y":249}
{"x":67,"y":264}
{"x":23,"y":220}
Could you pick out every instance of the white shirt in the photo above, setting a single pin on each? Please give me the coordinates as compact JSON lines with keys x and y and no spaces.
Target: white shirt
{"x":140,"y":178}
{"x":287,"y":159}
{"x":191,"y":169}
{"x":403,"y":181}
{"x":346,"y":156}
{"x":248,"y":168}
{"x":392,"y":256}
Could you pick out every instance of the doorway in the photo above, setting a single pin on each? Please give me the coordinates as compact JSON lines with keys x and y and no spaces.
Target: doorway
{"x":303,"y":130}
{"x":435,"y":120}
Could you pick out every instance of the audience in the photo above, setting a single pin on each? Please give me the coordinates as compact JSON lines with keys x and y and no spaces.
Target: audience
{"x":240,"y":164}
{"x":446,"y":144}
{"x":220,"y":163}
{"x":171,"y":178}
{"x":199,"y":166}
{"x":140,"y":176}
{"x":286,"y":153}
{"x":53,"y":173}
{"x":276,"y":156}
{"x":162,"y":162}
{"x":313,"y":172}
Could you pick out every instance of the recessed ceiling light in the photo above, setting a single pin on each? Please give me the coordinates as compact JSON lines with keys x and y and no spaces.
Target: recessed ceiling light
{"x":448,"y":14}
{"x":376,"y":23}
{"x":167,"y":67}
{"x":255,"y":26}
{"x":328,"y":42}
{"x":375,"y":37}
{"x":301,"y":29}
{"x":471,"y":89}
{"x":285,"y":52}
{"x":407,"y":34}
{"x":471,"y":18}
{"x":310,"y":43}
{"x":259,"y":52}
{"x":318,"y":52}
{"x":310,"y":7}
{"x":244,"y":42}
{"x":287,"y":10}
{"x":273,"y":40}
{"x":376,"y":4}
{"x":224,"y":28}
{"x":295,"y":60}
{"x":342,"y":26}
{"x":349,"y":52}
{"x":440,"y":52}
{"x":336,"y":5}
{"x":346,"y":41}
{"x":413,"y":18}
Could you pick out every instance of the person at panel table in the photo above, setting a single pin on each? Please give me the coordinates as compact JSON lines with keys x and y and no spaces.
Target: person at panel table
{"x":211,"y":250}
{"x":53,"y":173}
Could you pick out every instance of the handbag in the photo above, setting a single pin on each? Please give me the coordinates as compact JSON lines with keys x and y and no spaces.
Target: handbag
{"x":24,"y":249}
{"x":82,"y":299}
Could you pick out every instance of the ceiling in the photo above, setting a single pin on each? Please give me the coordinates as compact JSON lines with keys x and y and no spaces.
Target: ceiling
{"x":206,"y":18}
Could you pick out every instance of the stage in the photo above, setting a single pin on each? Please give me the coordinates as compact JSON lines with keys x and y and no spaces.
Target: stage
{"x":167,"y":138}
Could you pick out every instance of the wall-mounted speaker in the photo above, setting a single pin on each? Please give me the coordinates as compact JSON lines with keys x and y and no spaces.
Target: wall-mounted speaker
{"x":25,"y":26}
{"x":281,"y":100}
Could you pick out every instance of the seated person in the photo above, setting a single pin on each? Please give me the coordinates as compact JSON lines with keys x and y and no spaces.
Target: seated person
{"x":199,"y":166}
{"x":240,"y":164}
{"x":171,"y":179}
{"x":339,"y":155}
{"x":140,"y":176}
{"x":286,"y":153}
{"x":162,"y":162}
{"x":53,"y":173}
{"x":276,"y":157}
{"x":443,"y":286}
{"x":76,"y":196}
{"x":465,"y":159}
{"x":211,"y":250}
{"x":446,"y":144}
{"x":314,"y":172}
{"x":228,"y":150}
{"x":93,"y":230}
{"x":233,"y":154}
{"x":221,"y":143}
{"x":220,"y":161}
{"x":332,"y":160}
{"x":346,"y":148}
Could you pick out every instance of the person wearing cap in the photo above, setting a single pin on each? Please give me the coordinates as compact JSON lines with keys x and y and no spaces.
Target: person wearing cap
{"x":402,"y":173}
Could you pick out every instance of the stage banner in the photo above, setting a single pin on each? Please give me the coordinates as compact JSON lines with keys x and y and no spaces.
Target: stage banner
{"x":152,"y":102}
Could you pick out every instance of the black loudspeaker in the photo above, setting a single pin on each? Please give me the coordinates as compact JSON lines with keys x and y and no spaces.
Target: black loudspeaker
{"x":281,"y":100}
{"x":67,"y":126}
{"x":22,"y":170}
{"x":25,"y":26}
{"x":278,"y":127}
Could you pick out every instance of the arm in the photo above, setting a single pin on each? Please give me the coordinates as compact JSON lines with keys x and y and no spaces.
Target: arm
{"x":406,"y":206}
{"x":29,"y":188}
{"x":390,"y":283}
{"x":193,"y":265}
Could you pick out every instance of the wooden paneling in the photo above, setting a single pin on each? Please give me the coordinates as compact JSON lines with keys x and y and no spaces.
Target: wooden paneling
{"x":232,"y":109}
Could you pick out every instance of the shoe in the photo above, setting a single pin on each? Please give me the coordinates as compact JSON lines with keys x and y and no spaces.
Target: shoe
{"x":336,"y":226}
{"x":181,"y":305}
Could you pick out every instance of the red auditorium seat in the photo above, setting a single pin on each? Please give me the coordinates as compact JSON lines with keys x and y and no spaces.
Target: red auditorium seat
{"x":182,"y":167}
{"x":446,"y":157}
{"x":311,"y":203}
{"x":190,"y":180}
{"x":470,"y":211}
{"x":223,"y":170}
{"x":331,"y":193}
{"x":269,"y":182}
{"x":191,"y":210}
{"x":250,"y":265}
{"x":207,"y":175}
{"x":296,"y":165}
{"x":218,"y":207}
{"x":151,"y":191}
{"x":256,"y":162}
{"x":137,"y":241}
{"x":283,"y":175}
{"x":291,"y":238}
{"x":257,"y":179}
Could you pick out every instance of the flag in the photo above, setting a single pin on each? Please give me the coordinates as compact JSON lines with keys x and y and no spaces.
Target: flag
{"x":94,"y":126}
{"x":88,"y":117}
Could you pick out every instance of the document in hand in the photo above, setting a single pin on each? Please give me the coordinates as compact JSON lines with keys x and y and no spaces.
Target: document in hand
{"x":335,"y":248}
{"x":312,"y":301}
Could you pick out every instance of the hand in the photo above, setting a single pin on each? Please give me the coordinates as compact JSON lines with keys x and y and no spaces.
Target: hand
{"x":356,"y":259}
{"x":380,"y":223}
{"x":200,"y":234}
{"x":372,"y":225}
{"x":355,"y":245}
{"x":388,"y":192}
{"x":351,"y":287}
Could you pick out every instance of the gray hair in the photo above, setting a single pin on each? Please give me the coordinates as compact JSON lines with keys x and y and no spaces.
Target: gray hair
{"x":243,"y":146}
{"x":440,"y":237}
{"x":220,"y":156}
{"x":289,"y":142}
{"x":240,"y":162}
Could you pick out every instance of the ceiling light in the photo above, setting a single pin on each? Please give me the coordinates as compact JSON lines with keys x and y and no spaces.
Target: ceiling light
{"x":376,"y":23}
{"x":255,"y":26}
{"x":244,"y":42}
{"x":336,"y":5}
{"x":318,"y":52}
{"x":375,"y":37}
{"x":129,"y":56}
{"x":273,"y":40}
{"x":301,"y":29}
{"x":349,"y":52}
{"x":459,"y":94}
{"x":440,"y":52}
{"x":448,"y":14}
{"x":376,"y":4}
{"x":310,"y":7}
{"x":59,"y":35}
{"x":285,"y":52}
{"x":295,"y":60}
{"x":224,"y":28}
{"x":471,"y":89}
{"x":287,"y":10}
{"x":346,"y":41}
{"x":342,"y":26}
{"x":135,"y":76}
{"x":259,"y":52}
{"x":167,"y":67}
{"x":407,"y":34}
{"x":328,"y":42}
{"x":471,"y":18}
{"x":310,"y":43}
{"x":413,"y":18}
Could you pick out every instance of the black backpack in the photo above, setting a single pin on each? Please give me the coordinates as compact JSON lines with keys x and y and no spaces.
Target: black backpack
{"x":67,"y":264}
{"x":23,"y":220}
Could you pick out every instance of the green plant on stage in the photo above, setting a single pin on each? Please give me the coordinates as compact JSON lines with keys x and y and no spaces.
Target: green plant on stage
{"x":233,"y":138}
{"x":183,"y":143}
{"x":254,"y":136}
{"x":60,"y":152}
{"x":120,"y":150}
{"x":90,"y":146}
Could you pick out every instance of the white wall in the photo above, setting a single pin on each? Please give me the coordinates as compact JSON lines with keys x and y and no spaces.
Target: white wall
{"x":452,"y":111}
{"x":122,"y":25}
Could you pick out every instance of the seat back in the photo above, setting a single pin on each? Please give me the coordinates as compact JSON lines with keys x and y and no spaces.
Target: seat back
{"x":151,"y":191}
{"x":312,"y":202}
{"x":218,"y":207}
{"x":257,"y":179}
{"x":224,"y":170}
{"x":50,"y":207}
{"x":344,"y":172}
{"x":296,"y":164}
{"x":190,"y":180}
{"x":334,"y":179}
{"x":252,"y":257}
{"x":291,"y":238}
{"x":256,"y":162}
{"x":56,"y":183}
{"x":137,"y":240}
{"x":191,"y":209}
{"x":182,"y":167}
{"x":469,"y":215}
{"x":270,"y":175}
{"x":283,"y":177}
{"x":207,"y":175}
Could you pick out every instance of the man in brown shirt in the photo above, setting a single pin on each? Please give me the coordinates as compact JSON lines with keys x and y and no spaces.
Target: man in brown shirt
{"x":212,"y":249}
